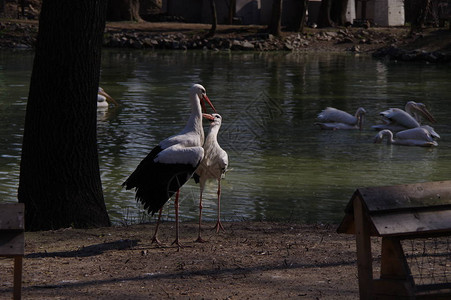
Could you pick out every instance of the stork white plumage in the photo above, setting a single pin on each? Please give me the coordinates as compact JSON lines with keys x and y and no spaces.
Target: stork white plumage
{"x":213,"y":166}
{"x":103,"y":99}
{"x":172,"y":163}
{"x":334,"y":119}
{"x":396,"y":119}
{"x":411,"y":137}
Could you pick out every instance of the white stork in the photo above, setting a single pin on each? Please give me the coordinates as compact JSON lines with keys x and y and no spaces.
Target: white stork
{"x":334,"y":119}
{"x":396,"y":119}
{"x":213,"y":166}
{"x":172,"y":163}
{"x":103,"y":99}
{"x":411,"y":137}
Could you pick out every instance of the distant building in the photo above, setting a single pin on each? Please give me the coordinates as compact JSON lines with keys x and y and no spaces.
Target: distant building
{"x":381,"y":12}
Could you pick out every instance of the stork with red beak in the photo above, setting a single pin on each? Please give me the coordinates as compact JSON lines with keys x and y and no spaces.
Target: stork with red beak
{"x":213,"y":166}
{"x":171,"y":164}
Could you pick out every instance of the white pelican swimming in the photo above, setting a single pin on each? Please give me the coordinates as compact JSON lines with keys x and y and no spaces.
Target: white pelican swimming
{"x":333,"y":119}
{"x":103,"y":99}
{"x":431,"y":131}
{"x":396,"y":119}
{"x":411,"y":137}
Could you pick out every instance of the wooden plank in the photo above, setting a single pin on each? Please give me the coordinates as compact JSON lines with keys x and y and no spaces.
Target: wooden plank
{"x":413,"y":223}
{"x":12,"y":243}
{"x":391,"y":289}
{"x":393,"y":262}
{"x":17,"y":294}
{"x":347,"y":225}
{"x":12,"y":216}
{"x":418,"y":195}
{"x":433,"y":291}
{"x":363,"y":245}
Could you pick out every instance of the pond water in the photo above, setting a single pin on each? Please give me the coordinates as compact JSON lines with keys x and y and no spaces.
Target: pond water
{"x":281,"y":165}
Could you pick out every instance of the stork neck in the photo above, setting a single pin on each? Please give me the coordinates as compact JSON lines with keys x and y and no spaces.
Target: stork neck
{"x":195,"y":120}
{"x":213,"y":133}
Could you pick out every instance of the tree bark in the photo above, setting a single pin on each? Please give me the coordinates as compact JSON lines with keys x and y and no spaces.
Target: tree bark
{"x":123,"y":10}
{"x":169,"y":6}
{"x":232,"y":9}
{"x":59,"y":172}
{"x":421,"y":9}
{"x":276,"y":16}
{"x":22,"y":8}
{"x":324,"y":19}
{"x":214,"y":19}
{"x":338,"y":11}
{"x":300,"y":21}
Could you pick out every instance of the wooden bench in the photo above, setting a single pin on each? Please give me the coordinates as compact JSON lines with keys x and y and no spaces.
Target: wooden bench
{"x":397,"y":213}
{"x":12,"y":239}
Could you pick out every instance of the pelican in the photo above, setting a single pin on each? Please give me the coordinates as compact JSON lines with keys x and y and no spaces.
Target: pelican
{"x":103,"y":99}
{"x":213,"y":166}
{"x":396,"y":119}
{"x":171,"y":163}
{"x":431,"y":131}
{"x":410,"y":137}
{"x":334,"y":119}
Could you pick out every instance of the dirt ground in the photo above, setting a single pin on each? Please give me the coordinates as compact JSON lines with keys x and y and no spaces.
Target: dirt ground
{"x":250,"y":260}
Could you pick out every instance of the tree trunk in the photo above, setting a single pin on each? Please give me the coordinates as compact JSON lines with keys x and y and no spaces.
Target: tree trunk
{"x":123,"y":10}
{"x":2,"y":8}
{"x":344,"y":7}
{"x":338,"y":11}
{"x":169,"y":6}
{"x":59,"y":172}
{"x":214,"y":19}
{"x":22,"y":8}
{"x":232,"y":9}
{"x":300,"y":21}
{"x":276,"y":16}
{"x":324,"y":19}
{"x":421,"y":9}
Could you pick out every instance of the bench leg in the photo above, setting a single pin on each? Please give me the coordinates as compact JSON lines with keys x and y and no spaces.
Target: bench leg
{"x":17,"y":277}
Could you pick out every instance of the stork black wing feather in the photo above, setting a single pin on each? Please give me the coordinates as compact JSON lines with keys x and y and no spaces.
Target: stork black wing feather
{"x":144,"y":167}
{"x":196,"y":178}
{"x":155,"y":183}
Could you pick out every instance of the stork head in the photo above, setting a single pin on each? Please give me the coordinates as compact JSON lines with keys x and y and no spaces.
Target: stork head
{"x":199,"y":90}
{"x":419,"y":109}
{"x":215,"y":119}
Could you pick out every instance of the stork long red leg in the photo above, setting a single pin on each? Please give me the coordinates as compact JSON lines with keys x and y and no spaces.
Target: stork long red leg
{"x":176,"y":205}
{"x":199,"y":238}
{"x":155,"y":238}
{"x":218,"y":225}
